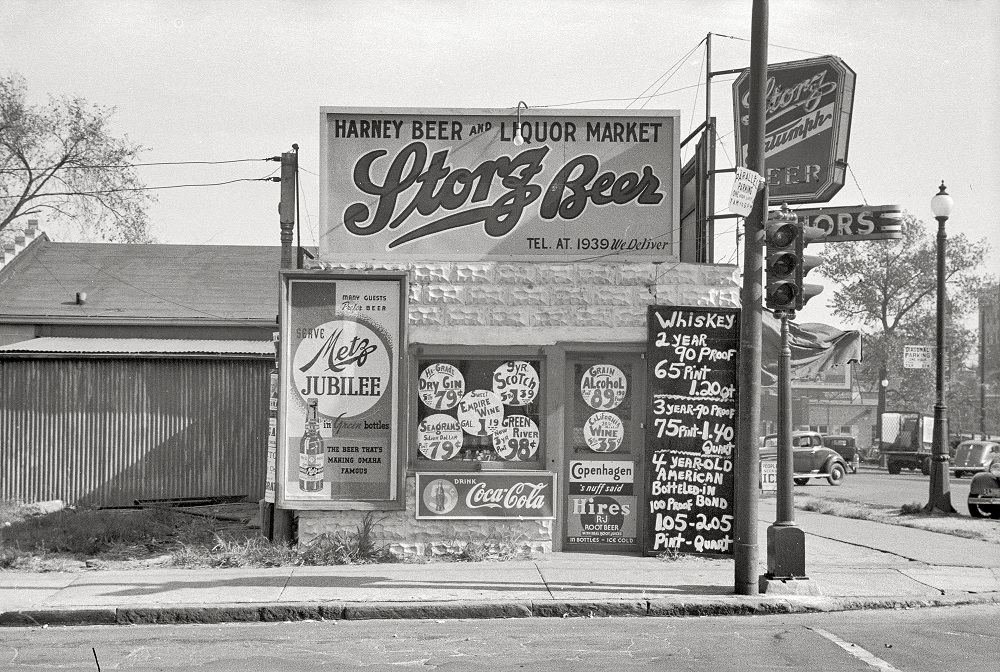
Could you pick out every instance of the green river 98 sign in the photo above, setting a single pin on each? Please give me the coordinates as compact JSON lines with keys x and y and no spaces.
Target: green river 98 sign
{"x":692,"y":356}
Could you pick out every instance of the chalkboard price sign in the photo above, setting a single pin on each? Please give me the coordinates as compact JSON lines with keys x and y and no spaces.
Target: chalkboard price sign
{"x":692,"y":358}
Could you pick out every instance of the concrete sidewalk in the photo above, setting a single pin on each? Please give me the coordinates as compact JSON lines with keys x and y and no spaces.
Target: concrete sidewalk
{"x":855,"y":564}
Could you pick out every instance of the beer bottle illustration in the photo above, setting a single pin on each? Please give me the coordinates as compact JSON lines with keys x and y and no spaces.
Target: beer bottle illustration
{"x":312,"y":453}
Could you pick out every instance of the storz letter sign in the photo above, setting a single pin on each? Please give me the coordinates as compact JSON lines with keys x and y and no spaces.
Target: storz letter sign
{"x":806,"y":130}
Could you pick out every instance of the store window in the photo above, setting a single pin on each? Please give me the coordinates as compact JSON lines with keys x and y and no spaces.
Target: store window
{"x":474,"y":412}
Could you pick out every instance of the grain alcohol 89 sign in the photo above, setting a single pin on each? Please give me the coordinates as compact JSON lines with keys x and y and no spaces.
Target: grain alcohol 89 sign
{"x":692,"y":356}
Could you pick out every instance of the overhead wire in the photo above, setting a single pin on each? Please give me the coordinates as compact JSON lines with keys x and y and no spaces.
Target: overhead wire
{"x":99,"y":192}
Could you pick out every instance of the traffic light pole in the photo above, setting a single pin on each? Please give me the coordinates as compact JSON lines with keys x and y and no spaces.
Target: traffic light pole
{"x":785,"y":506}
{"x":745,"y":547}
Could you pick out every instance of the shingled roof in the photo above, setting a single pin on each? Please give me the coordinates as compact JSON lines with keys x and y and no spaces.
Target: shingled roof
{"x":189,"y":284}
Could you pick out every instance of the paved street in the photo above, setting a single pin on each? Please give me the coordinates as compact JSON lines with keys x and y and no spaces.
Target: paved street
{"x":920,"y":640}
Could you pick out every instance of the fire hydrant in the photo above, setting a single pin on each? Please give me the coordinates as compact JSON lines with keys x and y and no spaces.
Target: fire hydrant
{"x":854,"y":463}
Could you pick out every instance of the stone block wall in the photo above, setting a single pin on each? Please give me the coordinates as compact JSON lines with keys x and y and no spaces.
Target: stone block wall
{"x":507,"y":303}
{"x":407,"y":537}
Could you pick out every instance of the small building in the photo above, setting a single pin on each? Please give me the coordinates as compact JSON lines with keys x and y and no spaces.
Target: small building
{"x":134,"y":372}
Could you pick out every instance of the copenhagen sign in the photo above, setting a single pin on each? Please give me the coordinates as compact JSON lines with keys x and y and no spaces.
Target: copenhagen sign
{"x":447,"y":185}
{"x":858,"y":222}
{"x":807,"y":127}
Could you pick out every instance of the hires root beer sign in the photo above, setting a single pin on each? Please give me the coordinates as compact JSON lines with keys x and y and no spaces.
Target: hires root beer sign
{"x":807,"y":127}
{"x":466,"y":186}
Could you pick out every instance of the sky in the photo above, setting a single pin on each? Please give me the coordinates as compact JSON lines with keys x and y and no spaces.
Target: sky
{"x":214,"y":80}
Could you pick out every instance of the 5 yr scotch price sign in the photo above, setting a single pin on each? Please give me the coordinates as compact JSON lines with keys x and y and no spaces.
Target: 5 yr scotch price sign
{"x":692,"y":356}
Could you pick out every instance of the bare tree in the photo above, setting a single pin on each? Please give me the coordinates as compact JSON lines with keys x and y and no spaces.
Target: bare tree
{"x":61,"y":159}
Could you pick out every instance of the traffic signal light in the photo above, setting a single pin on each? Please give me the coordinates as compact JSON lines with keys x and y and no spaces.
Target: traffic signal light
{"x":781,"y":260}
{"x":785,"y":263}
{"x":807,"y":262}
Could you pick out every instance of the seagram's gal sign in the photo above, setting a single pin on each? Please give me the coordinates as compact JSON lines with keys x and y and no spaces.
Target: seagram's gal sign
{"x":458,"y":185}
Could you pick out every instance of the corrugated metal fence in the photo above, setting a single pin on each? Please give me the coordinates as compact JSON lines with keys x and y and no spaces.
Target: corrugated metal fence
{"x":109,"y":431}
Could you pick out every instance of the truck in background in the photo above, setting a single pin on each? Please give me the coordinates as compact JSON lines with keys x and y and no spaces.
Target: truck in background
{"x":907,"y":441}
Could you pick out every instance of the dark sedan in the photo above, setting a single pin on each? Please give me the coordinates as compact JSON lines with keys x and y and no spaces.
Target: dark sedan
{"x":810,"y":458}
{"x":975,"y":456}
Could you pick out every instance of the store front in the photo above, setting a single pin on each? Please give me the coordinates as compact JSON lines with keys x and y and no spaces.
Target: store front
{"x":493,"y":357}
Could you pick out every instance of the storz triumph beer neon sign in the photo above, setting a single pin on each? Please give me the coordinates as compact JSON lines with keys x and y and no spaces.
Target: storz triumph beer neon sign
{"x":807,"y":127}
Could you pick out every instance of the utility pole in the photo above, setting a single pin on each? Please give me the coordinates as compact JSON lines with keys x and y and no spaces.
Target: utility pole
{"x":280,"y":528}
{"x":746,"y":551}
{"x":286,"y":208}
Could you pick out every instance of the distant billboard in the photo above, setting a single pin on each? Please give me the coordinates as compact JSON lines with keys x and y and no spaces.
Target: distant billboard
{"x":460,"y":185}
{"x":806,"y":130}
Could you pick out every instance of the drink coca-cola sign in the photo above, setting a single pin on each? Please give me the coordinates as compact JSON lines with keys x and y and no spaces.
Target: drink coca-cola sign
{"x":471,"y":495}
{"x":497,"y":184}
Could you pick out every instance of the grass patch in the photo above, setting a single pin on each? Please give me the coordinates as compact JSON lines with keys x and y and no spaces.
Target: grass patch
{"x":914,"y":509}
{"x":68,"y":539}
{"x":907,"y":515}
{"x":503,"y":542}
{"x":92,"y":533}
{"x":842,"y":509}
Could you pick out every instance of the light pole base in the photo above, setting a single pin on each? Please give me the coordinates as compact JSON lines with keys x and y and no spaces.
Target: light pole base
{"x":786,"y":552}
{"x":772,"y":586}
{"x":940,"y":503}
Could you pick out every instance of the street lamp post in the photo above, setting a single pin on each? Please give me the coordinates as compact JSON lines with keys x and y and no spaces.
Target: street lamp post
{"x":940,"y":496}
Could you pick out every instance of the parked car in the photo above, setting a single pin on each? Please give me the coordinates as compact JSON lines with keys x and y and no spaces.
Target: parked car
{"x":846,"y":446}
{"x":974,"y":456}
{"x":984,"y":493}
{"x":810,"y":458}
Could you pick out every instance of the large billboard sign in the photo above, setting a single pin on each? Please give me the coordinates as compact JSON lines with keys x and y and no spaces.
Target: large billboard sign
{"x":807,"y":127}
{"x":463,"y":185}
{"x":341,"y":344}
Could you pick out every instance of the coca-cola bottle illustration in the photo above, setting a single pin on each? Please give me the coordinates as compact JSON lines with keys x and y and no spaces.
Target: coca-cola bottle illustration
{"x":312,"y":453}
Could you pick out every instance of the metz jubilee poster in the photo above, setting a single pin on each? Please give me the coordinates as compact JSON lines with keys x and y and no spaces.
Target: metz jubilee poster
{"x":340,"y":366}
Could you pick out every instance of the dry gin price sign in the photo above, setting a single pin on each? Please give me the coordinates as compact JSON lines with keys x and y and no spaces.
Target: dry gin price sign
{"x":691,"y":429}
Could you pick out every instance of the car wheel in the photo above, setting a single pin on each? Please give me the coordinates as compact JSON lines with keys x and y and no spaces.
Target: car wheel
{"x":837,"y":474}
{"x":975,"y":511}
{"x":925,"y":467}
{"x":893,"y":467}
{"x":959,"y":474}
{"x":800,"y":481}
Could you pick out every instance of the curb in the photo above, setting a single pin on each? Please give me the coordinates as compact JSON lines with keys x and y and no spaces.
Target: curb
{"x":335,"y":611}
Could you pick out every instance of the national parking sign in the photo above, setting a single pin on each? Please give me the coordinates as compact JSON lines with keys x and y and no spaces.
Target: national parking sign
{"x":917,"y":356}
